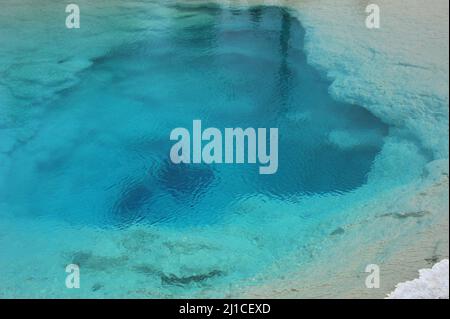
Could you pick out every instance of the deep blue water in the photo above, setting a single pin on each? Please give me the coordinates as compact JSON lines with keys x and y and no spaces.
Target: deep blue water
{"x":102,"y":156}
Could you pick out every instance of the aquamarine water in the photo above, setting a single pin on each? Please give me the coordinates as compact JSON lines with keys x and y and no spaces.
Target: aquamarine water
{"x":100,"y":158}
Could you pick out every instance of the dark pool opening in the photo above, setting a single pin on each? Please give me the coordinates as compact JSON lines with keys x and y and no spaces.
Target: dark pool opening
{"x":105,"y":153}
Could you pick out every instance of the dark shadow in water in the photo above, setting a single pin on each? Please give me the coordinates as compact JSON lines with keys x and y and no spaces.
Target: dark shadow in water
{"x":284,"y":72}
{"x":185,"y":182}
{"x":128,"y":209}
{"x":256,"y":14}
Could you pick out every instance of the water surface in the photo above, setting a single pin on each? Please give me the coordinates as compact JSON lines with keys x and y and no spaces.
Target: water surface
{"x":101,"y":155}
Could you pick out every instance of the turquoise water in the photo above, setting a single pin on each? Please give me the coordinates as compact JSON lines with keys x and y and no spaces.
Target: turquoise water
{"x":100,"y":159}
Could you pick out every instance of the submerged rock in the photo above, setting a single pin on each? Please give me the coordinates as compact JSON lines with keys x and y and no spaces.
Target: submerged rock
{"x":147,"y":270}
{"x":186,"y":280}
{"x":433,"y":259}
{"x":81,"y":257}
{"x":337,"y":231}
{"x":87,"y":259}
{"x":97,"y":286}
{"x":404,"y":215}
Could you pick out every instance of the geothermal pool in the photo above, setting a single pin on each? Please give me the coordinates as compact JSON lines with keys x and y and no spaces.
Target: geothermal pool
{"x":88,"y":178}
{"x":101,"y":156}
